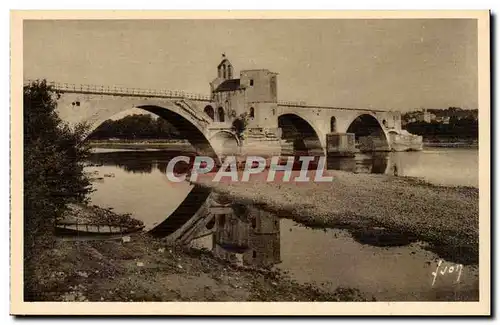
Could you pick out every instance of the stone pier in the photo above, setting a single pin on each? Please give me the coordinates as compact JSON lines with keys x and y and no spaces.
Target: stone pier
{"x":261,"y":142}
{"x":340,"y":145}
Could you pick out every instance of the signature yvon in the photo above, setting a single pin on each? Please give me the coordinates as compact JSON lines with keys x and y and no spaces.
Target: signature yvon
{"x":447,"y":269}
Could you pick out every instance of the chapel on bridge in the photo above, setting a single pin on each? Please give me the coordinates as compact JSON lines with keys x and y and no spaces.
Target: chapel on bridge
{"x":254,"y":93}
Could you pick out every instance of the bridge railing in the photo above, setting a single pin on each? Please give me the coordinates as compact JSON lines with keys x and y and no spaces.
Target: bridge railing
{"x":308,"y":105}
{"x":116,"y":90}
{"x":161,"y":93}
{"x":289,"y":103}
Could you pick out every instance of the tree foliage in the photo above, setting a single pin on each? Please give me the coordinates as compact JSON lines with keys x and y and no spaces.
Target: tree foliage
{"x":53,"y":164}
{"x":136,"y":126}
{"x":451,"y":112}
{"x":465,"y":128}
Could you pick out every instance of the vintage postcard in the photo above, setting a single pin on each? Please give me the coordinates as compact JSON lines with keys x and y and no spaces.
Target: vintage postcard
{"x":209,"y":163}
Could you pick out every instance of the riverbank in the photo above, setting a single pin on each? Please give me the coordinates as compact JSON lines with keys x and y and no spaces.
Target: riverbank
{"x":446,"y":218}
{"x":471,"y":145}
{"x":95,"y":215}
{"x":177,"y":145}
{"x":142,"y":268}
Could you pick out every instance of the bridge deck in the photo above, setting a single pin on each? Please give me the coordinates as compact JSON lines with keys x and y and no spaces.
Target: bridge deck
{"x":170,"y":94}
{"x":124,"y":91}
{"x":304,"y":105}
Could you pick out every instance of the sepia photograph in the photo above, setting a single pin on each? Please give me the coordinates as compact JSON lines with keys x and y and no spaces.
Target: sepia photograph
{"x":340,"y":159}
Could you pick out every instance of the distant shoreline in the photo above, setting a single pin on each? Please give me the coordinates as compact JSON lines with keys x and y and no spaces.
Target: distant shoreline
{"x":181,"y":145}
{"x":451,"y":144}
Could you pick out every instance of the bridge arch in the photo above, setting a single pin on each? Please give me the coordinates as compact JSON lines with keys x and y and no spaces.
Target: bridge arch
{"x":187,"y":129}
{"x":185,"y":119}
{"x":192,"y":126}
{"x":301,"y":134}
{"x":392,"y":132}
{"x":369,"y":133}
{"x":225,"y":143}
{"x":194,"y":205}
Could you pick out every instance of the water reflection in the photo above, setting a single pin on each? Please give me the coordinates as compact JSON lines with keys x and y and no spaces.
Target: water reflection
{"x":246,"y":236}
{"x":440,"y":166}
{"x":193,"y":207}
{"x":390,"y":266}
{"x":374,"y":163}
{"x":143,"y":162}
{"x":240,"y":234}
{"x":140,"y":162}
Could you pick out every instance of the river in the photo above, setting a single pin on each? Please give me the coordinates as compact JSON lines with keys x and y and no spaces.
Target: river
{"x":440,"y":166}
{"x":134,"y":182}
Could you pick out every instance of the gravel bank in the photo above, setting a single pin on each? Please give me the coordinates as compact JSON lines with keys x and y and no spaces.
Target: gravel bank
{"x":144,"y":269}
{"x":445,"y":217}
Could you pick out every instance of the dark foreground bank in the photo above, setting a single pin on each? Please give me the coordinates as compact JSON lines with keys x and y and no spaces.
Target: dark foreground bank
{"x":138,"y":267}
{"x":144,"y":269}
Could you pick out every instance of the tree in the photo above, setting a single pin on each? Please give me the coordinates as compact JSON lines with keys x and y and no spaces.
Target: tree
{"x":240,"y":124}
{"x":53,"y":166}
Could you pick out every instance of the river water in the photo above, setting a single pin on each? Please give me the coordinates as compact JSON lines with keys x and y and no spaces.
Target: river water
{"x":134,"y":182}
{"x":441,"y":166}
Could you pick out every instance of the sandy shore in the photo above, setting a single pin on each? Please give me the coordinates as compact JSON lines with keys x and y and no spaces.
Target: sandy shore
{"x":445,"y":217}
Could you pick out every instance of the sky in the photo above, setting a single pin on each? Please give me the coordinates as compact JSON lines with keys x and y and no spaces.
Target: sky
{"x":393,"y":64}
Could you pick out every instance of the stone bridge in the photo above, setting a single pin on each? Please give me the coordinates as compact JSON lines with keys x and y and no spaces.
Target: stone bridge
{"x":95,"y":104}
{"x":268,"y":126}
{"x":314,"y":123}
{"x":272,"y":127}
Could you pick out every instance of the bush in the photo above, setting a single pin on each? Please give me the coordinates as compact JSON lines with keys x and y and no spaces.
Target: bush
{"x":53,"y":167}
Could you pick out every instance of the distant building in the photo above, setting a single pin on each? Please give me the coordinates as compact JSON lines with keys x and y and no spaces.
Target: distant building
{"x":425,"y":116}
{"x":441,"y":116}
{"x":442,"y":119}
